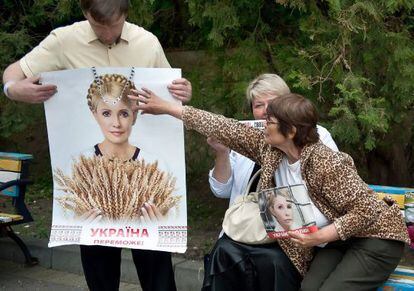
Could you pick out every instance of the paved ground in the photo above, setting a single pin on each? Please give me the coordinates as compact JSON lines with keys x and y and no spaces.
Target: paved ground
{"x":60,"y":268}
{"x":15,"y":276}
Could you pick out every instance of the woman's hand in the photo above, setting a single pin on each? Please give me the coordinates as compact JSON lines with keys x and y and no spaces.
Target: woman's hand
{"x":323,"y":235}
{"x":217,"y":146}
{"x":305,"y":240}
{"x":150,"y":214}
{"x":90,"y":216}
{"x":148,"y":102}
{"x":222,"y":166}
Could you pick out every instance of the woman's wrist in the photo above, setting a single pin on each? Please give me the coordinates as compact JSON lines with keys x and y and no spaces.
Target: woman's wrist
{"x":328,"y":234}
{"x":175,"y":110}
{"x":222,"y":153}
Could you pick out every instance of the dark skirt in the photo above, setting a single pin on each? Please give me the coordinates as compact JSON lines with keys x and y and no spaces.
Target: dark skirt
{"x":235,"y":266}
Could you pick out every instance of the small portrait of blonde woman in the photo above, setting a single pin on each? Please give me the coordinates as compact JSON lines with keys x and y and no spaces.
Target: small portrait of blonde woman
{"x":282,"y":210}
{"x":115,"y":181}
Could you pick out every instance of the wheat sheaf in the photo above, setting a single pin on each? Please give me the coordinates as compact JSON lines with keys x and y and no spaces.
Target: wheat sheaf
{"x":118,"y":189}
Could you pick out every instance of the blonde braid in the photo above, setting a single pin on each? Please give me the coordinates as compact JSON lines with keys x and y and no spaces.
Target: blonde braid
{"x":112,"y":86}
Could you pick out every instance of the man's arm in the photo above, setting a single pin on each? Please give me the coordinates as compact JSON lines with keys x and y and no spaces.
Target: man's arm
{"x":20,"y":88}
{"x":13,"y":73}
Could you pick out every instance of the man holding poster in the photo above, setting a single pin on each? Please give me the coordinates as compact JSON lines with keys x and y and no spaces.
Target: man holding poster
{"x":104,"y":39}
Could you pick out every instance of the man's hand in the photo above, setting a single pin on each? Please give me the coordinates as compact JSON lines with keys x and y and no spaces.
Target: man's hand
{"x":181,"y":89}
{"x":29,"y":90}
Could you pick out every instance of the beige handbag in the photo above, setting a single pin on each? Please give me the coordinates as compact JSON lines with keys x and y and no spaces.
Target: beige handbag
{"x":242,"y":221}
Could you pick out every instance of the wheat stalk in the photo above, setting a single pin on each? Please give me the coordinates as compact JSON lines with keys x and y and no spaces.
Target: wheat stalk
{"x":116,"y":188}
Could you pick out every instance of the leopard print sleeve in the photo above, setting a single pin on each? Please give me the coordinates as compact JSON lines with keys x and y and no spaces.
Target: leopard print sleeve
{"x":348,"y":194}
{"x":235,"y":135}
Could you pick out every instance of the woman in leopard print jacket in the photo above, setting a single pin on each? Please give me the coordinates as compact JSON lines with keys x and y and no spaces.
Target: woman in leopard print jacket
{"x":363,"y":238}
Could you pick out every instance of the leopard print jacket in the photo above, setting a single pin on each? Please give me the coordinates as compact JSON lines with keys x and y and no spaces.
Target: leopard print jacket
{"x":331,"y":178}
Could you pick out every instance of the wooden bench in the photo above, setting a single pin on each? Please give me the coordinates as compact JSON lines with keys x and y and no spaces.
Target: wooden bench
{"x":14,"y":171}
{"x":402,"y":278}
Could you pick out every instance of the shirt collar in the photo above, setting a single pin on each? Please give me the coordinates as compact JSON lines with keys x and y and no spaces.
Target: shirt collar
{"x":91,"y":36}
{"x":124,"y":33}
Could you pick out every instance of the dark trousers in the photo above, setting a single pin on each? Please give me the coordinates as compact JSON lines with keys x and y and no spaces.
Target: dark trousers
{"x":355,"y":264}
{"x":102,"y":268}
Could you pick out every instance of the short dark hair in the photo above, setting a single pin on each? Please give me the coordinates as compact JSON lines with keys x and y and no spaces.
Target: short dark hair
{"x":294,"y":110}
{"x":104,"y":10}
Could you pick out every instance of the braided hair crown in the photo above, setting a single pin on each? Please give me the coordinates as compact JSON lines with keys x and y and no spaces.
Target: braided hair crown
{"x":110,"y":87}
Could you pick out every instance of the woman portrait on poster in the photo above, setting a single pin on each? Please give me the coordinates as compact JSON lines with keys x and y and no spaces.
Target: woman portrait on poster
{"x":116,"y":184}
{"x":116,"y":115}
{"x":282,"y":210}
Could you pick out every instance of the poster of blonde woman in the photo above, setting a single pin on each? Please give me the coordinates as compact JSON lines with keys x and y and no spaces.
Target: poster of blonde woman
{"x":118,"y":175}
{"x":284,"y":209}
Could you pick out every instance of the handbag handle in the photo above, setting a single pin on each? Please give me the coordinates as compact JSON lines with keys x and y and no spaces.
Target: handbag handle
{"x":251,"y":182}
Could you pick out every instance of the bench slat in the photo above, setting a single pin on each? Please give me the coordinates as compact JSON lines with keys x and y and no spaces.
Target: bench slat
{"x":396,"y":193}
{"x":7,"y":217}
{"x":15,"y":156}
{"x":5,"y":176}
{"x":402,"y":279}
{"x":10,"y":165}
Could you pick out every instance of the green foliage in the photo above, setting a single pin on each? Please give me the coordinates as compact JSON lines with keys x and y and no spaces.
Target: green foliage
{"x":353,"y":58}
{"x":142,"y":12}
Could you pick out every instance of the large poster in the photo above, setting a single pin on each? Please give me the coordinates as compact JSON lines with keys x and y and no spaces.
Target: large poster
{"x":118,"y":175}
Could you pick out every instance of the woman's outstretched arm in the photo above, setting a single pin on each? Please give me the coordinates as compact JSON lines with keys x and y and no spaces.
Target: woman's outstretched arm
{"x":231,"y":133}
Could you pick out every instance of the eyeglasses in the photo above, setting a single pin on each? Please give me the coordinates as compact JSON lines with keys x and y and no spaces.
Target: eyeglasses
{"x":269,"y":121}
